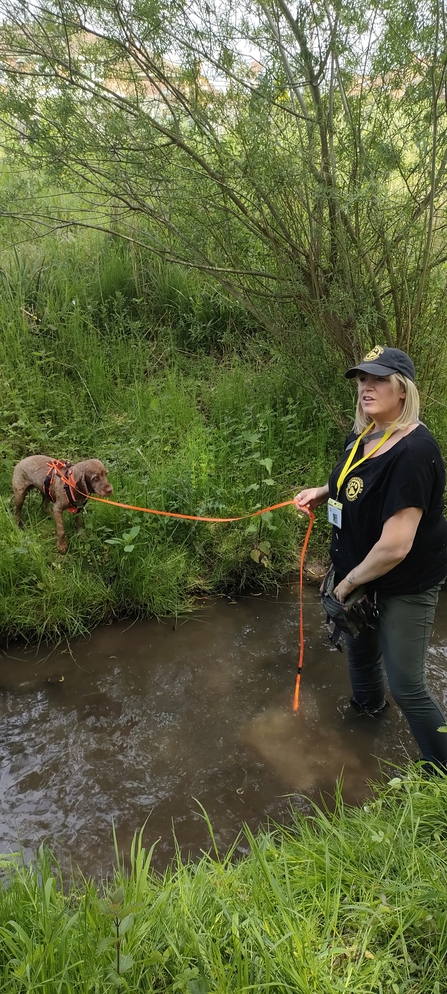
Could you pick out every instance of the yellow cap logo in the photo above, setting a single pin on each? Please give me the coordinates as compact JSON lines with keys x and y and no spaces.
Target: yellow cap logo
{"x":354,"y":488}
{"x":374,"y":354}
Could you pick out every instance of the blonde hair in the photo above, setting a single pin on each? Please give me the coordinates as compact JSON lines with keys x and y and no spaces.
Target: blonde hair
{"x":409,"y":413}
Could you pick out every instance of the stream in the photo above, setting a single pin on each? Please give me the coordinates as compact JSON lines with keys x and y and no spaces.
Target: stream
{"x":150,"y":722}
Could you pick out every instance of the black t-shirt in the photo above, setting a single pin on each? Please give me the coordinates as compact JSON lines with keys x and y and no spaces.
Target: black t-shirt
{"x":410,"y":474}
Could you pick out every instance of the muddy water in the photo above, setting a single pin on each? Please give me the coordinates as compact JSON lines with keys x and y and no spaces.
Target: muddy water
{"x":147,"y":721}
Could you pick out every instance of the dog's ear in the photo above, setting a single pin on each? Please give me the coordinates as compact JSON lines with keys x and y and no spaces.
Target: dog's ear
{"x":91,"y":473}
{"x":82,"y":485}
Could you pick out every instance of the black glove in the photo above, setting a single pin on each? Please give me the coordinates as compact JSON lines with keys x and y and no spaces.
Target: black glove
{"x":357,"y":612}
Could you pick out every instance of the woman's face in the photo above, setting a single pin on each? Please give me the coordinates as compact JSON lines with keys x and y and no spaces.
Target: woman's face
{"x":381,"y":397}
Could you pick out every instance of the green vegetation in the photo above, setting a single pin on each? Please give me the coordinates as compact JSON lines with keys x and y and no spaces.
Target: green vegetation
{"x":295,"y":154}
{"x":102,"y":355}
{"x":191,"y":407}
{"x":221,"y":236}
{"x":350,"y":901}
{"x":193,"y":246}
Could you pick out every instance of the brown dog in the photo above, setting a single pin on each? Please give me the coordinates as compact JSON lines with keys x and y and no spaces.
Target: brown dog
{"x":65,"y":485}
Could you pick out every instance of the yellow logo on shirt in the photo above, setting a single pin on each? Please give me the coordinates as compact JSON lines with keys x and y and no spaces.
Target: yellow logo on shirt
{"x":354,"y":488}
{"x":374,"y":354}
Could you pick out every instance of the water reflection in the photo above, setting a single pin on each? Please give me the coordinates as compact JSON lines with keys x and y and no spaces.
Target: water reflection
{"x":150,"y":721}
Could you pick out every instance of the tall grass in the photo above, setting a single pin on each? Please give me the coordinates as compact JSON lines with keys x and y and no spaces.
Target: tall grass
{"x":106,"y":353}
{"x":90,"y":365}
{"x":352,"y":900}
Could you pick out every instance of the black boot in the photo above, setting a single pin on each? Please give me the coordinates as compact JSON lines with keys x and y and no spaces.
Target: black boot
{"x":373,"y":711}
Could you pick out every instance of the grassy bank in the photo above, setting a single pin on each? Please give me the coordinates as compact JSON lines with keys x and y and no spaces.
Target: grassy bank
{"x":105,"y":352}
{"x":353,"y":901}
{"x":175,"y":392}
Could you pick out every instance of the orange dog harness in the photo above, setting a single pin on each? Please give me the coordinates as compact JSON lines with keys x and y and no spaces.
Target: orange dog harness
{"x":62,"y":469}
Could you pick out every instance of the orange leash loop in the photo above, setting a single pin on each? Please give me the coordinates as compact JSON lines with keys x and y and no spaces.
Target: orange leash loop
{"x":253,"y":514}
{"x":296,"y":695}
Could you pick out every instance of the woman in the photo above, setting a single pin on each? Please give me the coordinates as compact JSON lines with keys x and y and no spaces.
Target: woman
{"x":385,"y":502}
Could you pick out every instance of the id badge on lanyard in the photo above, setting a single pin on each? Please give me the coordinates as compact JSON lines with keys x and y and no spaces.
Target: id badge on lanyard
{"x":334,"y":509}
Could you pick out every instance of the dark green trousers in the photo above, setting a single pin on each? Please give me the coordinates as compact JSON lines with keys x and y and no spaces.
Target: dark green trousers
{"x":399,"y":646}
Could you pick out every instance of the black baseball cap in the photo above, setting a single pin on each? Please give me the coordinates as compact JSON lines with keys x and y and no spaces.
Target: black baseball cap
{"x":382,"y":361}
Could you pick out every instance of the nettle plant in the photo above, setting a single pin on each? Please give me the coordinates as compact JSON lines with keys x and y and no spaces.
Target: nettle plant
{"x":122,"y":919}
{"x":126,"y":540}
{"x":262,"y":547}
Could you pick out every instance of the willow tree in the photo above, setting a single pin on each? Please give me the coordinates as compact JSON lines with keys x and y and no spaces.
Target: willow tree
{"x":298,"y":156}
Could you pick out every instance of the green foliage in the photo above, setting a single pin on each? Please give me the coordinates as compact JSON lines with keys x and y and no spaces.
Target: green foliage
{"x":352,"y":900}
{"x":90,"y":364}
{"x":307,"y":186}
{"x":215,"y":434}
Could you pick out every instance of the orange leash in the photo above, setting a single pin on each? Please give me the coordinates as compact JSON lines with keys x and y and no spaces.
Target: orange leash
{"x":169,"y":514}
{"x":189,"y":517}
{"x":296,"y":695}
{"x":253,"y":514}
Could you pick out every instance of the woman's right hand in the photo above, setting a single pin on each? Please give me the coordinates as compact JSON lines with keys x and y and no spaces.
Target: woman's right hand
{"x":312,"y":497}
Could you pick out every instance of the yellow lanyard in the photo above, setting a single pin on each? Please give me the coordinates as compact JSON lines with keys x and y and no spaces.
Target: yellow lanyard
{"x":349,"y":465}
